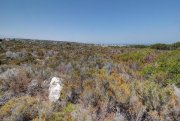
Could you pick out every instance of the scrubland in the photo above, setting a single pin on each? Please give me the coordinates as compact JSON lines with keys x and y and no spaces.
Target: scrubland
{"x":131,"y":83}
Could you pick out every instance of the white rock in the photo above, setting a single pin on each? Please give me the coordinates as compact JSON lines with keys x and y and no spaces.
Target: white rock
{"x":55,"y":89}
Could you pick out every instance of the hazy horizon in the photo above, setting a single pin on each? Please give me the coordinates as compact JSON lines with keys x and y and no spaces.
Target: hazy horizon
{"x":92,"y":21}
{"x":98,"y":42}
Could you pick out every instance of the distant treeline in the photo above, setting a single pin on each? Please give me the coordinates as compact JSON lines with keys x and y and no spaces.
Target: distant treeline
{"x":159,"y":46}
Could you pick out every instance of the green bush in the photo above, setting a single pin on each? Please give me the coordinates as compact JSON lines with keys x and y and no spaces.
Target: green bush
{"x":23,"y":108}
{"x":160,"y":46}
{"x":175,"y":46}
{"x":64,"y":114}
{"x":166,"y":70}
{"x":153,"y":95}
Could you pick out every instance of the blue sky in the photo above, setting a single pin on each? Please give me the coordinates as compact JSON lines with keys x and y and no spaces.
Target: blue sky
{"x":93,"y":21}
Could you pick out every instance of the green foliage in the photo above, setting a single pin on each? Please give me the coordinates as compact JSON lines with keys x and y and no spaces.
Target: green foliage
{"x":64,"y":114}
{"x":138,"y":58}
{"x":175,"y":46}
{"x":132,"y":56}
{"x":166,"y":70}
{"x":23,"y":108}
{"x":117,"y":87}
{"x":160,"y":46}
{"x":69,"y":108}
{"x":153,"y":95}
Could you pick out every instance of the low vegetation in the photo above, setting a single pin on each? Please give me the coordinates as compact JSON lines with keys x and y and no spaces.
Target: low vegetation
{"x":99,"y":83}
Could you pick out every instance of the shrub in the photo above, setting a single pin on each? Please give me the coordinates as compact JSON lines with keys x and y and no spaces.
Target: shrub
{"x":175,"y":46}
{"x":120,"y":88}
{"x":9,"y":74}
{"x":14,"y":55}
{"x":19,"y":84}
{"x":91,"y":96}
{"x":23,"y":108}
{"x":165,"y":70}
{"x":138,"y":57}
{"x":2,"y":49}
{"x":63,"y":115}
{"x":153,"y":95}
{"x":160,"y":46}
{"x":117,"y":87}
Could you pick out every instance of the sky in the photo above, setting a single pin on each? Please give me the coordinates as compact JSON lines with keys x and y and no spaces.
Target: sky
{"x":92,"y":21}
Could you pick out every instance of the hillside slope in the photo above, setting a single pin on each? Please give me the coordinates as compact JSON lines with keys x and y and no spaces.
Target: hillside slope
{"x":96,"y":83}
